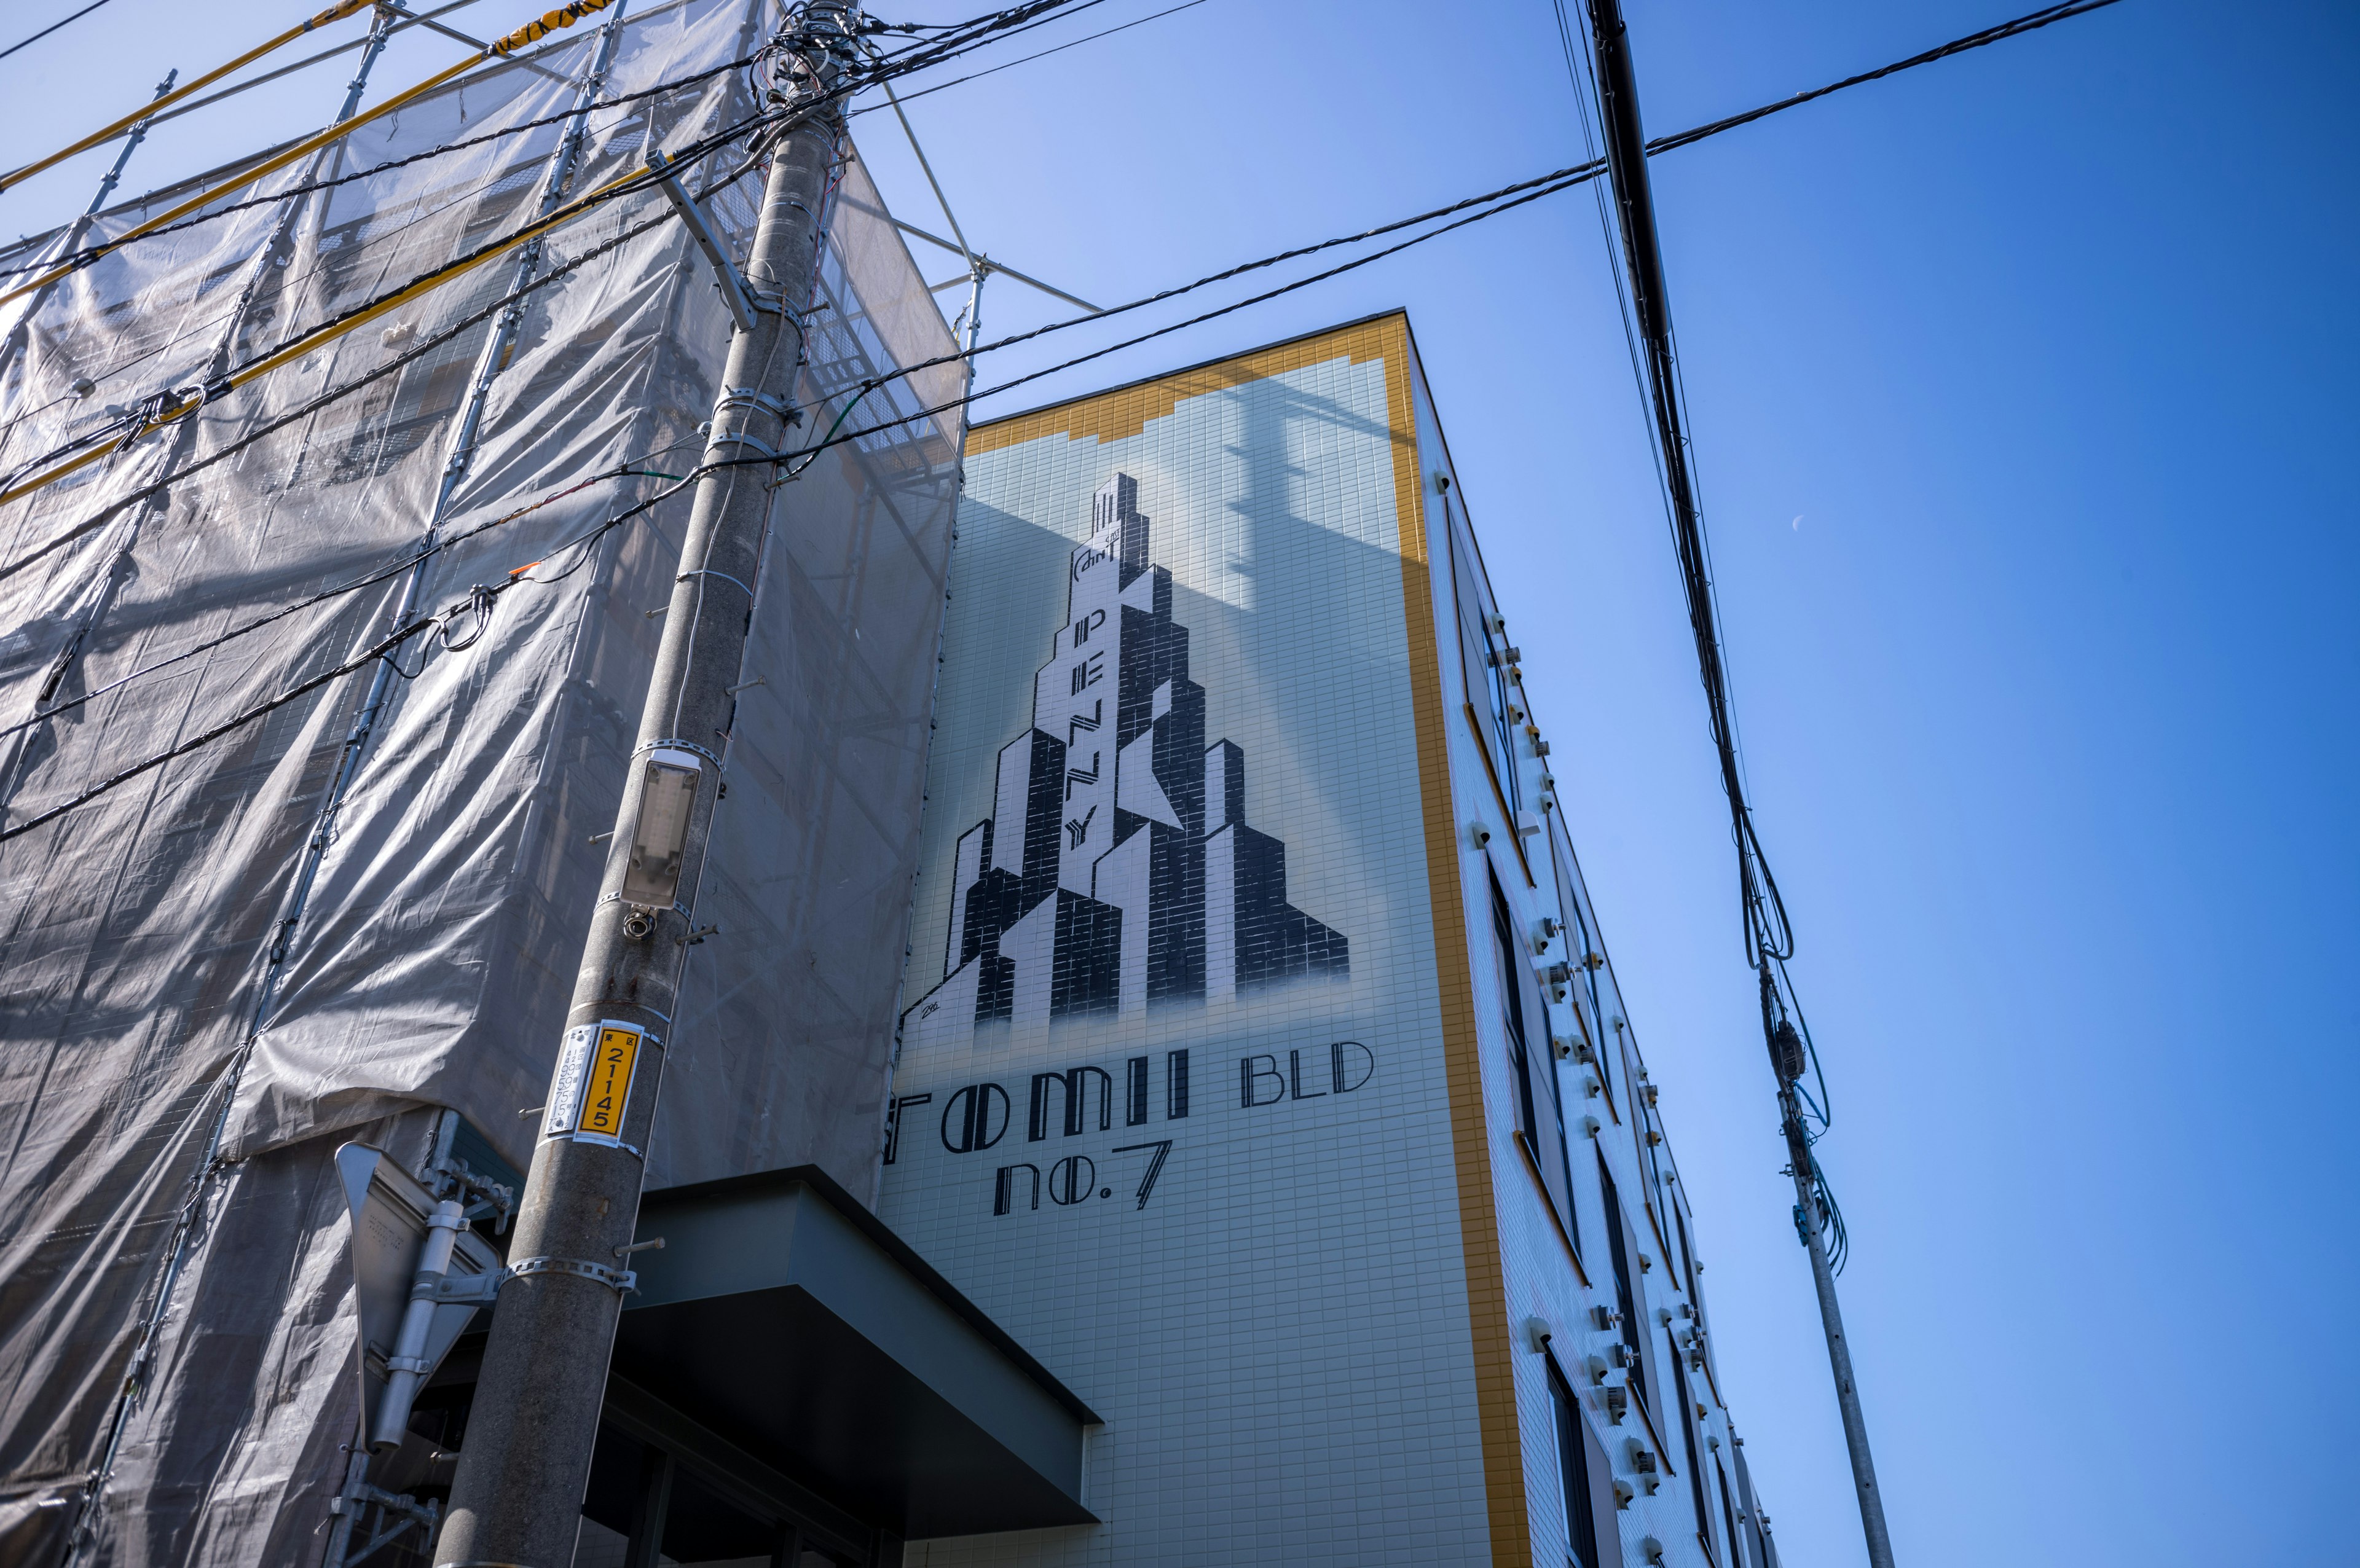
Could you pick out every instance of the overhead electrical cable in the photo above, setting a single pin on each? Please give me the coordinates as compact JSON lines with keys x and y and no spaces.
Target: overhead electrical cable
{"x":1525,"y":191}
{"x":319,"y":264}
{"x":368,"y":579}
{"x":973,"y":35}
{"x":169,"y":407}
{"x":1767,"y":929}
{"x":1529,"y":191}
{"x":192,"y":398}
{"x":1548,"y":184}
{"x":52,"y":27}
{"x":478,"y":600}
{"x":2030,"y":22}
{"x":1576,"y":70}
{"x":1027,"y":59}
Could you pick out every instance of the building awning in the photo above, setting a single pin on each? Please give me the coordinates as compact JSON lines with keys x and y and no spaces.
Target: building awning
{"x":784,"y":1318}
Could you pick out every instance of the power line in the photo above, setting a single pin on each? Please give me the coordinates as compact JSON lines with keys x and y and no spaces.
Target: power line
{"x":369,"y":579}
{"x":479,"y":601}
{"x":1010,"y":65}
{"x":52,"y":27}
{"x":1543,"y":185}
{"x":1547,"y":184}
{"x":1524,"y":192}
{"x":325,"y":399}
{"x":2029,"y":23}
{"x":1769,"y":933}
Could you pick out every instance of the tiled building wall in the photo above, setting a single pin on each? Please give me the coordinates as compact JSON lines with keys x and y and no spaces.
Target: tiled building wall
{"x":1316,"y":1334}
{"x":1276,"y":1332}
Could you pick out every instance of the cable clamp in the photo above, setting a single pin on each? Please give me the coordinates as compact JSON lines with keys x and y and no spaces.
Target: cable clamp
{"x":619,"y":1280}
{"x":756,"y":443}
{"x":754,"y":397}
{"x":673,"y":744}
{"x":679,"y":908}
{"x":708,"y":571}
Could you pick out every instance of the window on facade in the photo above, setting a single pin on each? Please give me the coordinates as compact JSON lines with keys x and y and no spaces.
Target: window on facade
{"x":1564,"y":1158}
{"x":1643,"y":1123}
{"x":1728,"y":1515}
{"x":1689,"y":1440}
{"x":1625,"y":1299}
{"x":1573,"y":1471}
{"x":1757,"y":1552}
{"x":1482,"y":655}
{"x":1532,"y":1061}
{"x":1696,"y":1294}
{"x":1581,"y":942}
{"x":1512,"y":1007}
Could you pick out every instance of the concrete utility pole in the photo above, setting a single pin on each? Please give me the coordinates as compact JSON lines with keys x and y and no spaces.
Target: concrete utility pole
{"x":517,"y":1499}
{"x":1823,"y":1276}
{"x":1626,"y":153}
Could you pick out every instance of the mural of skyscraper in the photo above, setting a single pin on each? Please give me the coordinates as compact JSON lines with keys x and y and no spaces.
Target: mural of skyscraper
{"x":1116,"y":871}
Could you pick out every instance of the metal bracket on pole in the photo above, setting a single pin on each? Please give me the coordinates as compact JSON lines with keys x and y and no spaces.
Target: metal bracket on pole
{"x":622,"y":1280}
{"x":476,"y":1289}
{"x":733,"y":292}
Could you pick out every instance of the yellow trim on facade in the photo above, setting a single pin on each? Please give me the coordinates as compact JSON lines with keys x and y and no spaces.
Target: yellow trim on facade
{"x":1124,"y":412}
{"x":1479,"y":1220}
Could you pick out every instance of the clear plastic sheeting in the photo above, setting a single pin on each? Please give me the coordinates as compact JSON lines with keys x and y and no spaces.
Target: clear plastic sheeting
{"x":435,"y":956}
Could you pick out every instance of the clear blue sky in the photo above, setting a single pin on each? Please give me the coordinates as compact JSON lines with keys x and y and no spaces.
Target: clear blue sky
{"x":2017,"y":384}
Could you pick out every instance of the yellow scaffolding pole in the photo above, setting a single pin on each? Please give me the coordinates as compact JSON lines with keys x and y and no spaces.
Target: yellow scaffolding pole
{"x":532,"y":31}
{"x":335,"y":13}
{"x":326,"y":333}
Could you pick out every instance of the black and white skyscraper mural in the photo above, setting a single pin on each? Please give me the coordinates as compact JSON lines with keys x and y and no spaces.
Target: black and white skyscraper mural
{"x":1117,"y":872}
{"x":1290,"y":1212}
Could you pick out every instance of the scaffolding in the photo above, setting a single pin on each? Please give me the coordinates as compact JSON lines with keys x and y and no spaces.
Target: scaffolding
{"x":354,"y":917}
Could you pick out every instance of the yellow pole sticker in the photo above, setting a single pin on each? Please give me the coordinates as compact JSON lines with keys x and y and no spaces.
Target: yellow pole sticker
{"x":608,"y":1093}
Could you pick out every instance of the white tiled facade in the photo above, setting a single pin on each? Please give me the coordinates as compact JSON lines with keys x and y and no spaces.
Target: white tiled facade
{"x":1175,"y":1098}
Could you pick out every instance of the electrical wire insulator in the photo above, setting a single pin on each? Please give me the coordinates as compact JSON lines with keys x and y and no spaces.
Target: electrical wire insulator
{"x":1786,"y":1052}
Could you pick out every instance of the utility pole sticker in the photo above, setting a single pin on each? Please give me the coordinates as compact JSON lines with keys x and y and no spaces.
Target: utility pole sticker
{"x":592,"y":1090}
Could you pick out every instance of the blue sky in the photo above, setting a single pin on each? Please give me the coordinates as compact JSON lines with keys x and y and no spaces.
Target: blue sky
{"x":2018,"y":385}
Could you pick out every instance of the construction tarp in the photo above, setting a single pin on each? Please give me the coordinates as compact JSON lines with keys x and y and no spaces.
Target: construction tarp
{"x":183,"y":1053}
